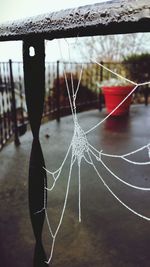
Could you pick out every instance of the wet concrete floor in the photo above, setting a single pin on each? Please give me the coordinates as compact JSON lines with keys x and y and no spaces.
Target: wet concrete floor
{"x":109,"y":235}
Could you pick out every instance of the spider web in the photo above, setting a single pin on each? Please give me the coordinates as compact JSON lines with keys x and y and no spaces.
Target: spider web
{"x":80,"y":149}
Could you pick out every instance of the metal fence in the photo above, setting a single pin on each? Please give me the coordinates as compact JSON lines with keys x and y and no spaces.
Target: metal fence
{"x":56,"y":99}
{"x":8,"y":115}
{"x":13,"y":110}
{"x":6,"y":126}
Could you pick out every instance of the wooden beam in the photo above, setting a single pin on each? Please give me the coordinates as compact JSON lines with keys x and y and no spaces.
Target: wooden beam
{"x":113,"y":17}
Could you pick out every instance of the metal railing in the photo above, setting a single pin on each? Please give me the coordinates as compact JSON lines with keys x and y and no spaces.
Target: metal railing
{"x":13,"y":110}
{"x":8,"y":115}
{"x":6,"y":126}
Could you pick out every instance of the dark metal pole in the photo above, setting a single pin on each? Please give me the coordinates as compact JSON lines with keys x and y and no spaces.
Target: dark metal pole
{"x":34,"y":78}
{"x":100,"y":91}
{"x":14,"y":110}
{"x":58,"y":93}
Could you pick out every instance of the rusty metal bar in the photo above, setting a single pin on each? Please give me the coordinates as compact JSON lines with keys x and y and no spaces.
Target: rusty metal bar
{"x":113,"y":17}
{"x":34,"y":78}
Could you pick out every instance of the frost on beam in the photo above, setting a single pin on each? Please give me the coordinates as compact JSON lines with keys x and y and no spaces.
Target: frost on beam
{"x":111,"y":17}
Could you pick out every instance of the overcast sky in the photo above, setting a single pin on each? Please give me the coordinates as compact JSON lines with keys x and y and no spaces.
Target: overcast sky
{"x":18,"y":9}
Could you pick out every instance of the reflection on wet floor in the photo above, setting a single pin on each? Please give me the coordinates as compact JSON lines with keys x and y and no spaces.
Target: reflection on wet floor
{"x":118,"y":123}
{"x":109,"y":235}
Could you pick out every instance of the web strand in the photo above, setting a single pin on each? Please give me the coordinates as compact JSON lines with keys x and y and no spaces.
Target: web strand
{"x":54,"y":235}
{"x":79,"y":175}
{"x":123,"y":156}
{"x":117,"y":177}
{"x":71,"y":76}
{"x":117,"y":198}
{"x":102,"y":121}
{"x":127,"y":80}
{"x":116,"y":74}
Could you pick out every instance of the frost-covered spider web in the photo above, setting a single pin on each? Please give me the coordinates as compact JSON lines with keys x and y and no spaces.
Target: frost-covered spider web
{"x":80,"y":149}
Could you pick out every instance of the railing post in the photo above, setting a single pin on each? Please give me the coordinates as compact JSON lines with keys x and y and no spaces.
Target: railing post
{"x":100,"y":91}
{"x":58,"y":93}
{"x":34,"y":78}
{"x":14,"y":110}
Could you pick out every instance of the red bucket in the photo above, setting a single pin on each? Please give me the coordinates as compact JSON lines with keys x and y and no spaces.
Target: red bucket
{"x":114,"y":95}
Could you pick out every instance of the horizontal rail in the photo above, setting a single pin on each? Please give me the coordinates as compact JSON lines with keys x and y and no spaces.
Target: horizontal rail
{"x":113,"y":17}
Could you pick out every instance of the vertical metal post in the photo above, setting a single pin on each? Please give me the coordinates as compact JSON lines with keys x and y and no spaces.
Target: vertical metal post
{"x":4,"y":113}
{"x":34,"y":78}
{"x":4,"y":99}
{"x":9,"y":133}
{"x":21,"y":95}
{"x":14,"y":110}
{"x":100,"y":92}
{"x":58,"y":93}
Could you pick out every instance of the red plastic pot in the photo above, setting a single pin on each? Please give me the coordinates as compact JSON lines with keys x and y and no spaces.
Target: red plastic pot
{"x":114,"y":95}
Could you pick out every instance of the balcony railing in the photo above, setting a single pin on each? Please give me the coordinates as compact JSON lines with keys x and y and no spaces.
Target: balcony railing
{"x":56,"y":103}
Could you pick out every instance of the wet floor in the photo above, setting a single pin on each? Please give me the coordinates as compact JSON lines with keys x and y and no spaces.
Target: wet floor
{"x":109,"y":235}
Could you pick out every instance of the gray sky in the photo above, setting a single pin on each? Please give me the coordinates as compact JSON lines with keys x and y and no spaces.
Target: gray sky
{"x":18,"y":9}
